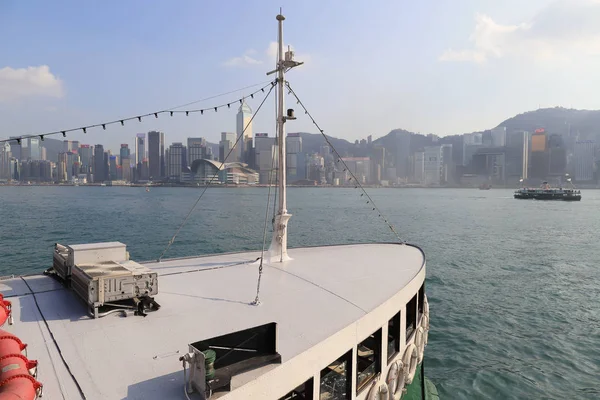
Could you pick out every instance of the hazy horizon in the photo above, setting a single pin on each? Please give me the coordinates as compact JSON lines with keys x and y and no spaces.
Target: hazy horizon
{"x":427,"y":67}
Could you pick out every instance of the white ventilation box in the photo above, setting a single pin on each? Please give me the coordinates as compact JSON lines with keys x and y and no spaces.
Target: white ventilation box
{"x":66,"y":257}
{"x":109,"y":281}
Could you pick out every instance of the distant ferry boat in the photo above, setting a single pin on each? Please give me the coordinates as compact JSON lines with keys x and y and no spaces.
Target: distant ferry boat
{"x":545,"y":192}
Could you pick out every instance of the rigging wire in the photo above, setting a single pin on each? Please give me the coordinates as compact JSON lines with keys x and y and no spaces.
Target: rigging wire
{"x":273,"y":165}
{"x":218,"y":95}
{"x":214,"y":175}
{"x":346,"y":168}
{"x":139,"y":117}
{"x":256,"y":301}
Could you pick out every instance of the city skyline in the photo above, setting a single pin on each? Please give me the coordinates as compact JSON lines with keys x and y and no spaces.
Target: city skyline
{"x":477,"y":55}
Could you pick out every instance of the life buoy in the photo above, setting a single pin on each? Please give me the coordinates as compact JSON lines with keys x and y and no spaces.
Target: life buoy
{"x":392,"y":378}
{"x":420,"y":343}
{"x":401,"y":382}
{"x":5,"y":311}
{"x":425,"y":325}
{"x":410,"y":359}
{"x":10,"y":344}
{"x":425,"y":322}
{"x":378,"y":391}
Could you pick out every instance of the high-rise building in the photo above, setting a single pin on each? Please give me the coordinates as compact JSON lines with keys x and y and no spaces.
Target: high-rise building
{"x":15,"y":148}
{"x":471,"y":143}
{"x":196,"y":149}
{"x":112,"y":168}
{"x":73,"y":164}
{"x":419,"y":168}
{"x":357,"y":166}
{"x":70,"y":145}
{"x":34,"y":149}
{"x":433,"y":164}
{"x":140,"y":147}
{"x":584,"y":160}
{"x":539,"y":140}
{"x":174,"y":161}
{"x":539,"y":160}
{"x":62,"y":167}
{"x":86,"y":155}
{"x":377,"y":163}
{"x":140,"y":154}
{"x":156,"y":154}
{"x":525,"y":157}
{"x":448,"y":167}
{"x":225,"y":145}
{"x":265,"y":156}
{"x":124,"y":153}
{"x":126,"y":170}
{"x":5,"y":156}
{"x":295,"y":164}
{"x":99,"y":170}
{"x":244,"y":129}
{"x":557,"y":156}
{"x":499,"y":136}
{"x":402,"y":158}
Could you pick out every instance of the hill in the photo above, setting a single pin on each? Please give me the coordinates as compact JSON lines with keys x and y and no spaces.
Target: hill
{"x":557,"y":120}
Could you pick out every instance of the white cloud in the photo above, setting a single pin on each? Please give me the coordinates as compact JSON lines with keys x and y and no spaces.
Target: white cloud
{"x":243,"y":61}
{"x":27,"y":82}
{"x":561,"y":31}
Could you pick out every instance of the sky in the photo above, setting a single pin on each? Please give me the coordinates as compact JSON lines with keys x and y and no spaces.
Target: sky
{"x":429,"y":66}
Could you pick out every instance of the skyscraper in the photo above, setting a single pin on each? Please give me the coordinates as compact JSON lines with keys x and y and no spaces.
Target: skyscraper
{"x":174,"y":161}
{"x":112,"y":167}
{"x":156,"y":154}
{"x":35,"y":149}
{"x":265,"y":149}
{"x":140,"y":147}
{"x":433,"y":164}
{"x":402,"y":154}
{"x":295,"y":158}
{"x":98,"y":169}
{"x":584,"y":160}
{"x":140,"y":153}
{"x":499,"y":136}
{"x":244,"y":117}
{"x":196,"y":149}
{"x":225,"y":145}
{"x":5,"y":156}
{"x":124,"y":153}
{"x":70,"y":145}
{"x":86,"y":154}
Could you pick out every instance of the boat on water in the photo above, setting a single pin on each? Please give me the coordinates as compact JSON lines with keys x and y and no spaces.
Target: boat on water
{"x":485,"y":186}
{"x":325,"y":322}
{"x":546,"y":192}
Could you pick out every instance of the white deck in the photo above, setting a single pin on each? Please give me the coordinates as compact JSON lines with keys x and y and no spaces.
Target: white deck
{"x":319,"y":292}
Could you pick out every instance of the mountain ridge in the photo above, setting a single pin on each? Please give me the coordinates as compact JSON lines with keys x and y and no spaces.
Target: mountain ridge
{"x":560,"y":120}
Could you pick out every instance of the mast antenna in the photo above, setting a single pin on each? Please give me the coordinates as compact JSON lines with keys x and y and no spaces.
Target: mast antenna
{"x":285,"y":62}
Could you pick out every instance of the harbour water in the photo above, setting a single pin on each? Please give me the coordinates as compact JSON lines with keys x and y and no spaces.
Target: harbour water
{"x":513,"y":285}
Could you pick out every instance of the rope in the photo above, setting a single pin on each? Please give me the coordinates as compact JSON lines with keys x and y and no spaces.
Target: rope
{"x":54,"y":340}
{"x":139,"y":117}
{"x":339,"y":158}
{"x":256,"y":301}
{"x":214,"y":175}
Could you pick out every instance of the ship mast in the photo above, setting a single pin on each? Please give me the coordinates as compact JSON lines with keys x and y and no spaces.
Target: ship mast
{"x":278,"y":248}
